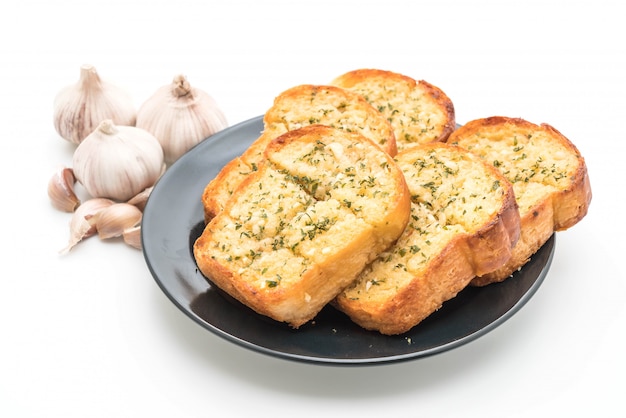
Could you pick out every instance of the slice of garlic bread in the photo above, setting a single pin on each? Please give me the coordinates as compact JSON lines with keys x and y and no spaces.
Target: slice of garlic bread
{"x":464,"y":222}
{"x":548,"y":173}
{"x":323,"y":203}
{"x":418,"y":111}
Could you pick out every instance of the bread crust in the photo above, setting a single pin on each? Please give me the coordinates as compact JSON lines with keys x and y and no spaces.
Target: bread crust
{"x":298,"y":230}
{"x":296,"y":107}
{"x":547,"y":171}
{"x":222,"y":186}
{"x":419,"y":111}
{"x":464,"y":223}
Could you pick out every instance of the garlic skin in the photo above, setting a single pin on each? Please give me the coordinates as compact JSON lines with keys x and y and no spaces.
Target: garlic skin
{"x":132,"y":237}
{"x":113,"y":220}
{"x":80,"y":107}
{"x":180,"y":116}
{"x":82,"y":224}
{"x":61,"y":190}
{"x":118,"y":162}
{"x":141,"y":198}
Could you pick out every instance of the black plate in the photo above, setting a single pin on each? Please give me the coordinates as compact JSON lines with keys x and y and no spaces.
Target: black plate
{"x":173,"y":219}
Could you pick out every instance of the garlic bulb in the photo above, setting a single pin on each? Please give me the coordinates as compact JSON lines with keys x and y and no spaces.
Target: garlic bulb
{"x":117,"y":162}
{"x":61,"y":190}
{"x":180,"y":116}
{"x":80,"y":107}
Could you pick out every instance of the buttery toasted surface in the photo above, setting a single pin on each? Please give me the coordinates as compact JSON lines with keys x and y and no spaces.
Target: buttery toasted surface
{"x":548,"y":173}
{"x":418,"y":111}
{"x":294,"y":108}
{"x":464,"y":222}
{"x":322,"y":204}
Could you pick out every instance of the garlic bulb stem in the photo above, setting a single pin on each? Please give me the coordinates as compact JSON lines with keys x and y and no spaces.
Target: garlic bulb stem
{"x":180,"y":86}
{"x":80,"y":107}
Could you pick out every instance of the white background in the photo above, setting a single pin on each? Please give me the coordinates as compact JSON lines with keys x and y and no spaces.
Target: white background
{"x":91,"y":334}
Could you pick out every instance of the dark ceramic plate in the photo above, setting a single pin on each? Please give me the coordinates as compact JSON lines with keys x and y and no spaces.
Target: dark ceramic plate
{"x":173,"y":219}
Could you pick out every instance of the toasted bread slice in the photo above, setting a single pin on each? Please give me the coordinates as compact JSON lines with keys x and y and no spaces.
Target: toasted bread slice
{"x":292,"y":109}
{"x":418,"y":111}
{"x":321,"y":205}
{"x":548,"y":173}
{"x":464,"y":222}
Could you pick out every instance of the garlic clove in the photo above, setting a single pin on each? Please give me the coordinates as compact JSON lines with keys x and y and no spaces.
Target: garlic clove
{"x":80,"y":107}
{"x":180,"y":116}
{"x":113,"y":220}
{"x":118,"y":162}
{"x":141,"y":198}
{"x":132,"y":236}
{"x":61,"y":190}
{"x":82,"y":224}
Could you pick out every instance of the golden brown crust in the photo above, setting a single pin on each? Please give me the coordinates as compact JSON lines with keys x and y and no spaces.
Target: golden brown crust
{"x":536,"y":229}
{"x":449,"y":273}
{"x":419,"y":111}
{"x":572,"y":203}
{"x":464,"y":223}
{"x":321,"y":205}
{"x":219,"y":190}
{"x":547,"y":171}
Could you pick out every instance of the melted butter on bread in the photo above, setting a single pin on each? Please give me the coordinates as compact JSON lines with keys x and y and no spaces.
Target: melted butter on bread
{"x":322,"y":204}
